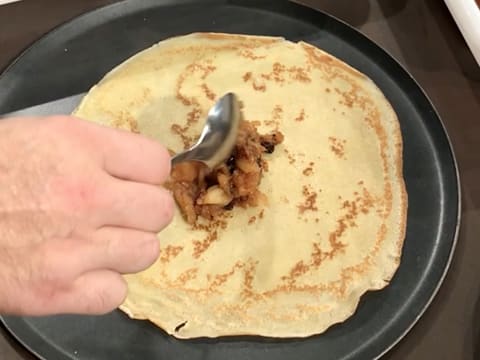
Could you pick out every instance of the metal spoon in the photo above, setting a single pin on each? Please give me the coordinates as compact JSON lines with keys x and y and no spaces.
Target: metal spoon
{"x":218,"y":136}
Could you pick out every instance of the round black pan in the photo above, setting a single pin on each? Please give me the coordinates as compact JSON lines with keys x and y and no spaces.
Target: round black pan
{"x":72,"y":58}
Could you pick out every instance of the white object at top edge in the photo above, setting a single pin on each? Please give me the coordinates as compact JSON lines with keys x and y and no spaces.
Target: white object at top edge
{"x":467,"y":16}
{"x":4,"y":2}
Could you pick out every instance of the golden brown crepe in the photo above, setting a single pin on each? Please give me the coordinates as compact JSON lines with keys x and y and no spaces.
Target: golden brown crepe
{"x":333,"y":223}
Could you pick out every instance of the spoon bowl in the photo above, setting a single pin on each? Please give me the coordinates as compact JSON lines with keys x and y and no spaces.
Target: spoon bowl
{"x":219,"y":135}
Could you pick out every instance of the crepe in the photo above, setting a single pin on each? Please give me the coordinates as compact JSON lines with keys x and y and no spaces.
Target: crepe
{"x":333,"y":223}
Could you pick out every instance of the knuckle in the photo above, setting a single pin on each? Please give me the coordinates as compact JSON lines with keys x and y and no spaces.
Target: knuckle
{"x":56,"y":120}
{"x":60,"y":123}
{"x":76,"y":131}
{"x":77,"y":196}
{"x":43,"y":271}
{"x":43,"y":277}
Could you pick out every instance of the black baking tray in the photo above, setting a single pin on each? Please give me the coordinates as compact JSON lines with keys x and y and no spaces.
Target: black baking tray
{"x":75,"y":56}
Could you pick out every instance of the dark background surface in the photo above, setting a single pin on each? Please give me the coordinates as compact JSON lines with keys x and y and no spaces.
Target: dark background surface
{"x":424,"y":38}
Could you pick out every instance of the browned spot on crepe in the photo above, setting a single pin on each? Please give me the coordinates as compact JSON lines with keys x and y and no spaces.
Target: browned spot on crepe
{"x":301,"y":117}
{"x":352,"y":209}
{"x":170,"y":252}
{"x":308,"y":171}
{"x":280,"y":74}
{"x":337,"y":146}
{"x":208,"y":92}
{"x":310,"y":201}
{"x":291,"y":158}
{"x":249,"y":54}
{"x":203,"y":69}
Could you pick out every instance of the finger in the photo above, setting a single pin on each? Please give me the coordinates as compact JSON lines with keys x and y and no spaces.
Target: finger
{"x":122,"y":250}
{"x":131,"y":156}
{"x":94,"y":293}
{"x":137,"y":206}
{"x":116,"y":249}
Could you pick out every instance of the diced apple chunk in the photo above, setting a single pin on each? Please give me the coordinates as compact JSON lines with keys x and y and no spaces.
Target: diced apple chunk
{"x":214,"y":196}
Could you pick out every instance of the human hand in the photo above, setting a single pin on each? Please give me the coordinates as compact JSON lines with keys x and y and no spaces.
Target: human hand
{"x":80,"y":204}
